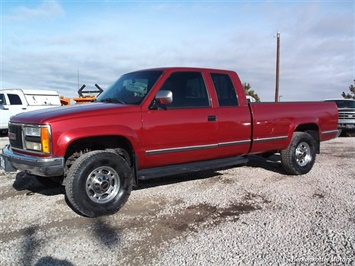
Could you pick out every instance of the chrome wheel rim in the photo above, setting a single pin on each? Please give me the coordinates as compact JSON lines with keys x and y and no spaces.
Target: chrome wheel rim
{"x":102,"y":184}
{"x":303,"y":154}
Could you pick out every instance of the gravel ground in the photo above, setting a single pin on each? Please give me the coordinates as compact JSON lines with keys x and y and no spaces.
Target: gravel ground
{"x":250,"y":215}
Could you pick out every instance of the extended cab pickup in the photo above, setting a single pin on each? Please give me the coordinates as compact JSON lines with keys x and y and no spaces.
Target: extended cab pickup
{"x":161,"y":122}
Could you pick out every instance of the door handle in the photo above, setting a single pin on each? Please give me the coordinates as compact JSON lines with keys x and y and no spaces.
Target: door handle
{"x":211,"y":118}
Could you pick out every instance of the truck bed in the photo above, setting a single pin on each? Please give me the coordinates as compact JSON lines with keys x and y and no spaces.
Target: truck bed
{"x":274,"y":123}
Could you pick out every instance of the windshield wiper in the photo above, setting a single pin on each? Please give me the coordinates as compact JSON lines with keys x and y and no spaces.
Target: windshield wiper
{"x":112,"y":100}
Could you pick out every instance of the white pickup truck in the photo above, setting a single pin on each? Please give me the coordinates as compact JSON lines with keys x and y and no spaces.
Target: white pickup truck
{"x":14,"y":101}
{"x":346,"y":110}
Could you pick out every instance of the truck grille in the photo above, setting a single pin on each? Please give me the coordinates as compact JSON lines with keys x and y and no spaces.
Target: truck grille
{"x":15,"y":136}
{"x":347,"y":115}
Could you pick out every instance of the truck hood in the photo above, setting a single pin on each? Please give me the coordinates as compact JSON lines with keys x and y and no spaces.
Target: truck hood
{"x":47,"y":115}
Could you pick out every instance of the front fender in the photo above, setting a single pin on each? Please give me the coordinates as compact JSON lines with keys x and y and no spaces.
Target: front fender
{"x":63,"y":140}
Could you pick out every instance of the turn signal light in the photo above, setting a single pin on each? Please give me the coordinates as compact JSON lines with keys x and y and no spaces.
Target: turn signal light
{"x":45,"y":141}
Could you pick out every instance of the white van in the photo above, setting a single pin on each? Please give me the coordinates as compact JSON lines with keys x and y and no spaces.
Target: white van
{"x":14,"y":101}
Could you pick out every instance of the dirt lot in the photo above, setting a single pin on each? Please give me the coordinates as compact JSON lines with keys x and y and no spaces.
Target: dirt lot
{"x":253,"y":214}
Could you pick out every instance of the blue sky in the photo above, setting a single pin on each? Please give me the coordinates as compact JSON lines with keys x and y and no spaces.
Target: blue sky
{"x":45,"y":44}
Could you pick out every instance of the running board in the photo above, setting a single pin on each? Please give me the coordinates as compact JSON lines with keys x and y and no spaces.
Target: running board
{"x":176,"y":169}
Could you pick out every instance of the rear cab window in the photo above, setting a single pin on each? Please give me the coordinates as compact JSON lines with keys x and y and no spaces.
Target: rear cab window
{"x":224,"y":89}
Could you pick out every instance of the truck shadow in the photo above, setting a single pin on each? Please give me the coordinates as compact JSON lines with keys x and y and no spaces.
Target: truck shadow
{"x":24,"y":181}
{"x":173,"y":179}
{"x":271,"y":163}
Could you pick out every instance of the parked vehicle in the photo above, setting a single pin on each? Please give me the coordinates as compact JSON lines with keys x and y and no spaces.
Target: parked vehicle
{"x":250,"y":99}
{"x":161,"y":122}
{"x":346,"y":109}
{"x":14,"y":101}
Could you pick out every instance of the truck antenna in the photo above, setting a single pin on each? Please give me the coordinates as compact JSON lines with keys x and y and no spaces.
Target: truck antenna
{"x":277,"y":68}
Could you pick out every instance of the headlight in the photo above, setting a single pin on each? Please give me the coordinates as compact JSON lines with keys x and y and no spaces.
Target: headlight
{"x":32,"y":131}
{"x":37,"y":138}
{"x":31,"y":145}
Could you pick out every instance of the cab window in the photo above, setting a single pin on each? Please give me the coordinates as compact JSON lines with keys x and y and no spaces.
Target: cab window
{"x":14,"y":99}
{"x":189,"y":90}
{"x":224,"y":89}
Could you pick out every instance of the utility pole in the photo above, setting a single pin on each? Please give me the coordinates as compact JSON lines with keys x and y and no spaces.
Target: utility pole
{"x":277,"y":68}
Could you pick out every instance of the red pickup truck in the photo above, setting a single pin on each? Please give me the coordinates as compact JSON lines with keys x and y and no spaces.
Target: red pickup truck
{"x":161,"y":122}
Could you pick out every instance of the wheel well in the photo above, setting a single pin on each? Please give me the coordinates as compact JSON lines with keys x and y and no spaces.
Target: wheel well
{"x":101,"y":143}
{"x":312,"y":130}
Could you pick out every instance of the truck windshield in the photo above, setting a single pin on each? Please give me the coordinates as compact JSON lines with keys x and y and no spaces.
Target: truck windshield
{"x":343,"y":103}
{"x":130,"y":88}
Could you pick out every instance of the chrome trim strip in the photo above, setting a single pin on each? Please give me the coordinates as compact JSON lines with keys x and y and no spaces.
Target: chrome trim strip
{"x":211,"y":146}
{"x":198,"y":147}
{"x":329,"y":132}
{"x":270,"y":139}
{"x":179,"y":149}
{"x":232,"y":143}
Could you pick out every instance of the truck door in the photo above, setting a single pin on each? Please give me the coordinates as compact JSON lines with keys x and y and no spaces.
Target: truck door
{"x":234,"y":120}
{"x":183,"y":130}
{"x":11,"y":105}
{"x":3,"y":112}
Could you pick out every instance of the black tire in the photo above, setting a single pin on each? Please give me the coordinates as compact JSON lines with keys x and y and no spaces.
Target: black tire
{"x":98,"y":183}
{"x":299,"y":157}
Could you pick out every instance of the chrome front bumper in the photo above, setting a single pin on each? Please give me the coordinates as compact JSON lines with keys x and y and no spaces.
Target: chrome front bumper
{"x":46,"y":167}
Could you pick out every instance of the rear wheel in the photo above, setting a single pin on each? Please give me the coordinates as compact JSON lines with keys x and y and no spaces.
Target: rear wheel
{"x":299,"y":157}
{"x":98,"y":183}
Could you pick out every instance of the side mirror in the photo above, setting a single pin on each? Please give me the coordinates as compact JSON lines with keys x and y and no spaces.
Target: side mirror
{"x":164,"y":96}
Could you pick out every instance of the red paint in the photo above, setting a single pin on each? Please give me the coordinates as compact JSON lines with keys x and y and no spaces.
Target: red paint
{"x":163,"y":137}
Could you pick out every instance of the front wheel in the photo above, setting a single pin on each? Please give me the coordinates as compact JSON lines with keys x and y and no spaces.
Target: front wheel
{"x":299,"y":157}
{"x":98,"y":183}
